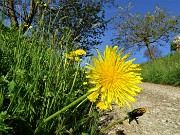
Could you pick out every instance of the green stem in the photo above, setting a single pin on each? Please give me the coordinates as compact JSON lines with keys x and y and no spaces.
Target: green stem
{"x":60,"y":111}
{"x":112,"y":124}
{"x":73,"y":82}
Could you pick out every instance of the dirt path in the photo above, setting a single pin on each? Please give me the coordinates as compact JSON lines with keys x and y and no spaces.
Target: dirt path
{"x":162,"y":117}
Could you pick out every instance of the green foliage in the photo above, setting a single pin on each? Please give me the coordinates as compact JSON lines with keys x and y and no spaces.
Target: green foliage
{"x":85,"y":18}
{"x":3,"y":126}
{"x":37,"y":80}
{"x":173,"y":46}
{"x":164,"y":70}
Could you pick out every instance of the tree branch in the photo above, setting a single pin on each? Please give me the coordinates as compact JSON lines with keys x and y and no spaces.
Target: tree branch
{"x":6,"y":12}
{"x":11,"y":13}
{"x":28,"y":20}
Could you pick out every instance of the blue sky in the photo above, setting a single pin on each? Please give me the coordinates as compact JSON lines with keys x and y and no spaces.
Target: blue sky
{"x":141,"y":7}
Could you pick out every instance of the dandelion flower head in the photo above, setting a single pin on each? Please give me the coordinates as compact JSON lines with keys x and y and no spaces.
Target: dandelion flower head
{"x":113,"y":78}
{"x":78,"y":52}
{"x":75,"y":55}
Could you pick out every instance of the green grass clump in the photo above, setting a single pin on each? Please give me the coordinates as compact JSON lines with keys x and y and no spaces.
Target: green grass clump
{"x":37,"y":80}
{"x":164,"y":70}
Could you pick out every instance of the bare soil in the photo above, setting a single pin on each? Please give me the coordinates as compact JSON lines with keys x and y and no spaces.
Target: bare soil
{"x":162,"y":117}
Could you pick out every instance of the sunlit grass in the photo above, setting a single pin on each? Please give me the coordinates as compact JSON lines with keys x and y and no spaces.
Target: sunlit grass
{"x":37,"y":80}
{"x":164,"y":70}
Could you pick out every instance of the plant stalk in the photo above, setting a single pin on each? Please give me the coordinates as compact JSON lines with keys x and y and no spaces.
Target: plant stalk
{"x":60,"y":111}
{"x":112,"y":124}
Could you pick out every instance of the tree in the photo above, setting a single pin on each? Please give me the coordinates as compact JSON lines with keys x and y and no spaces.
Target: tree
{"x":137,"y":31}
{"x":84,"y":18}
{"x":155,"y":50}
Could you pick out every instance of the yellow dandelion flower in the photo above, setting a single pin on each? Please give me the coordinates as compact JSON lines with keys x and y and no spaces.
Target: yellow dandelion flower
{"x":80,"y":52}
{"x":72,"y":57}
{"x":68,"y":56}
{"x":114,"y":78}
{"x":72,"y":53}
{"x":30,"y":27}
{"x":102,"y":106}
{"x":92,"y":97}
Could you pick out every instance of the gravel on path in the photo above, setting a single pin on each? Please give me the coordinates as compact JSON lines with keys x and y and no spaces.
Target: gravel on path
{"x":162,"y":117}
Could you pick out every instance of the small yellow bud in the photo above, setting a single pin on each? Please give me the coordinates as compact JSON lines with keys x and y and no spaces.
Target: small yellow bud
{"x":84,"y":83}
{"x":45,"y":5}
{"x":76,"y":59}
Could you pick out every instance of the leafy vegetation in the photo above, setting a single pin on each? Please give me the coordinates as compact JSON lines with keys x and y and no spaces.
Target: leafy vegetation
{"x":164,"y":70}
{"x":37,"y":80}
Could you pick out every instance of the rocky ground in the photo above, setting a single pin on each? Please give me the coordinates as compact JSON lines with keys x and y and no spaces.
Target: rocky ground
{"x":162,"y":117}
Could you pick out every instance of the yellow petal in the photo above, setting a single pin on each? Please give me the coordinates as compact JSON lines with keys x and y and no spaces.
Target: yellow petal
{"x":101,"y":105}
{"x":92,"y":97}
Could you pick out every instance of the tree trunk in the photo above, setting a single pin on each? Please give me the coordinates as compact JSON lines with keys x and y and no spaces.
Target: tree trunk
{"x":150,"y":52}
{"x":11,"y":13}
{"x":29,"y":19}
